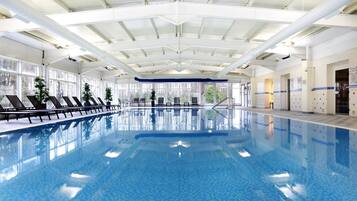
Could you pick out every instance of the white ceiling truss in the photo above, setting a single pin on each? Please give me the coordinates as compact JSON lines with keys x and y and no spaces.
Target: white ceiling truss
{"x":178,"y":13}
{"x":153,"y":37}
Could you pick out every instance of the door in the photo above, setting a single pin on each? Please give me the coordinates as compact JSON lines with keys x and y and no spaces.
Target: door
{"x":342,"y":91}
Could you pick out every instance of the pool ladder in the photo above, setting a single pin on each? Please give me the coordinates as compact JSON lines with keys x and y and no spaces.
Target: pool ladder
{"x":229,"y":105}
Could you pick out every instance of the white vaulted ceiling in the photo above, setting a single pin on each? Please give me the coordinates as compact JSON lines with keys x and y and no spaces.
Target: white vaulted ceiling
{"x":158,"y":37}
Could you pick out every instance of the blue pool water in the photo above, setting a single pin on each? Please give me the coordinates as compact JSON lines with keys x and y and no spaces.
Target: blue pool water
{"x":170,"y":155}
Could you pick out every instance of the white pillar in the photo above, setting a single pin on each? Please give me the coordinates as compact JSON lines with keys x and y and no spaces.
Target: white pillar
{"x":253,"y":90}
{"x":307,"y":82}
{"x":79,"y":85}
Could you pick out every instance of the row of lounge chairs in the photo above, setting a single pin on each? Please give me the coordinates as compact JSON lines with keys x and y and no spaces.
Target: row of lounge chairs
{"x":20,"y":110}
{"x":139,"y":101}
{"x":142,"y":102}
{"x":160,"y":102}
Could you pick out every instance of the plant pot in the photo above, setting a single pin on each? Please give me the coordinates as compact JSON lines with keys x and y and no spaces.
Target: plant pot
{"x":42,"y":106}
{"x":87,"y":103}
{"x":152,"y":103}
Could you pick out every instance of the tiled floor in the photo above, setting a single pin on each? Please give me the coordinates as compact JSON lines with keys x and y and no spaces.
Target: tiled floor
{"x":14,"y":124}
{"x":341,"y":121}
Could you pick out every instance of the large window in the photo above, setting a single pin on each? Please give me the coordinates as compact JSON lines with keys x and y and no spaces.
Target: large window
{"x":95,"y":85}
{"x":17,"y":78}
{"x":236,"y":93}
{"x":62,"y":83}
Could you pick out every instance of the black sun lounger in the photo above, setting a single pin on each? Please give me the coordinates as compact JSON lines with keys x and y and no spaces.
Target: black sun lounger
{"x":19,"y":106}
{"x":7,"y":113}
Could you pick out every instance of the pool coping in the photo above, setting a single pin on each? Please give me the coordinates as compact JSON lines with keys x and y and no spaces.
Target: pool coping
{"x":297,"y":119}
{"x":50,"y":122}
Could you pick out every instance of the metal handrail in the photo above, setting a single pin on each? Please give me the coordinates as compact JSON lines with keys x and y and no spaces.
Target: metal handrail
{"x":220,"y":102}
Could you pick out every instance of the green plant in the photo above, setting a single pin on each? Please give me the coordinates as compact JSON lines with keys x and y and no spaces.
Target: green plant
{"x":108,"y":94}
{"x":153,"y":97}
{"x":87,"y":94}
{"x":41,"y":91}
{"x":212,"y":94}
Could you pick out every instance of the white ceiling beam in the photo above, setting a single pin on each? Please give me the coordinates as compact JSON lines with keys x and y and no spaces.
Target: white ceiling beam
{"x":257,"y":28}
{"x":173,"y":44}
{"x":177,"y":66}
{"x":89,"y":26}
{"x":155,"y":28}
{"x":180,"y":58}
{"x":147,"y":69}
{"x":63,"y":5}
{"x":179,"y":10}
{"x":197,"y":57}
{"x":181,"y":75}
{"x":321,"y":11}
{"x":25,"y":11}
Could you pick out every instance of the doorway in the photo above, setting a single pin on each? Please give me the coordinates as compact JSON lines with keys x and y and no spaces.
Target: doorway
{"x":342,"y":91}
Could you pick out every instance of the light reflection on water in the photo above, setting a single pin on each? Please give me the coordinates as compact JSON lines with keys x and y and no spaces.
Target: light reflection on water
{"x":179,"y":154}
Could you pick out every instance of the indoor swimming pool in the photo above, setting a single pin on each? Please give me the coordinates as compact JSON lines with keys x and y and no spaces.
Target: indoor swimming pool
{"x":179,"y":154}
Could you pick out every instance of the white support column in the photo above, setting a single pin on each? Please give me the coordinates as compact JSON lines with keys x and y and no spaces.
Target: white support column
{"x":201,"y":92}
{"x":253,"y":90}
{"x":229,"y":94}
{"x":19,"y":80}
{"x":79,"y":86}
{"x":307,"y":82}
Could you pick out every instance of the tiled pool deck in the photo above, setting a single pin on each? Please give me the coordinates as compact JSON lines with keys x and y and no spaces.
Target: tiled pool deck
{"x":341,"y":121}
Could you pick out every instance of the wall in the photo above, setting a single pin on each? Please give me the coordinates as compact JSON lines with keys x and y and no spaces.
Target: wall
{"x":275,"y":85}
{"x":337,"y":53}
{"x":324,"y":91}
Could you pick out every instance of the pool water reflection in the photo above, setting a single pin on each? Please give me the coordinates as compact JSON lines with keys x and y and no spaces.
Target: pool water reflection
{"x":179,"y":154}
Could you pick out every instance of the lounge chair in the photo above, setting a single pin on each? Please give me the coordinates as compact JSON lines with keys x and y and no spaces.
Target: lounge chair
{"x":19,"y":106}
{"x":119,"y":103}
{"x":136,"y":101}
{"x":37,"y":105}
{"x":194,"y":101}
{"x":143,"y":101}
{"x":168,"y":103}
{"x":111,"y":106}
{"x":100,"y":106}
{"x":79,"y":104}
{"x":177,"y":101}
{"x":58,"y":105}
{"x":7,"y":114}
{"x":71,"y":105}
{"x":160,"y":101}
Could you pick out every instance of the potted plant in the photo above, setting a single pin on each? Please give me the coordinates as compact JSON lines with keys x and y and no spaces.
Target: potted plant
{"x":87,"y":94}
{"x":153,"y":97}
{"x":41,"y":92}
{"x":108,"y":96}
